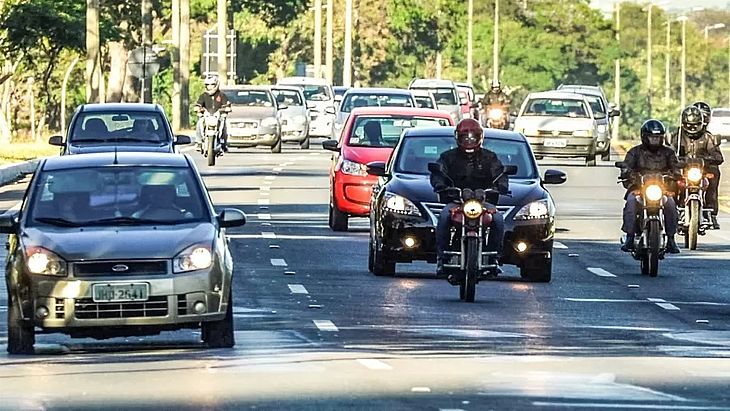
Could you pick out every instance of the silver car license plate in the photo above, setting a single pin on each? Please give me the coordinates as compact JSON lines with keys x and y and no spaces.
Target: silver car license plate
{"x":555,"y":142}
{"x":105,"y":293}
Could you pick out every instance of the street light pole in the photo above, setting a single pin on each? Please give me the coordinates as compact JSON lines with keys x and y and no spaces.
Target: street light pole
{"x":667,"y":58}
{"x":495,"y":51}
{"x":317,"y":38}
{"x":683,"y":100}
{"x":469,"y":55}
{"x":347,"y":60}
{"x":329,"y":53}
{"x":648,"y":59}
{"x":617,"y":73}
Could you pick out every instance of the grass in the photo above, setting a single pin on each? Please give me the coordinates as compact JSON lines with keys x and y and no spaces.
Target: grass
{"x":17,"y":152}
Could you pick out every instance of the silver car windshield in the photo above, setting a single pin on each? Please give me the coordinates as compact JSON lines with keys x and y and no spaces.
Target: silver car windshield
{"x":317,"y":93}
{"x":119,"y":127}
{"x":415,"y":153}
{"x":117,"y":196}
{"x":556,"y":107}
{"x":288,"y":97}
{"x":443,"y":96}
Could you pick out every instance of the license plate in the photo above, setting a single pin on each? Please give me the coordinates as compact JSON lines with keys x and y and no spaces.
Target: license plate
{"x":241,"y":132}
{"x":555,"y":142}
{"x":120,"y":292}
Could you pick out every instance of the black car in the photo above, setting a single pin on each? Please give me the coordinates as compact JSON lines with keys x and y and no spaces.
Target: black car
{"x":118,"y":244}
{"x":405,"y":209}
{"x":97,"y":128}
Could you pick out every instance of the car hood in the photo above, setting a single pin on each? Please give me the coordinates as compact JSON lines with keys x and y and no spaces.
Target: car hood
{"x":417,"y":188}
{"x":105,"y":243}
{"x":554,"y":123}
{"x":364,"y":155}
{"x":292,"y":111}
{"x":108,"y":148}
{"x":257,"y":113}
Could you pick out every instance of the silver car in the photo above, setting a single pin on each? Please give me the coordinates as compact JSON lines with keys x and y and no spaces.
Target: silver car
{"x":559,"y":124}
{"x":294,"y":114}
{"x":602,"y":110}
{"x":424,"y":99}
{"x":445,"y":93}
{"x":254,"y":118}
{"x":370,"y":97}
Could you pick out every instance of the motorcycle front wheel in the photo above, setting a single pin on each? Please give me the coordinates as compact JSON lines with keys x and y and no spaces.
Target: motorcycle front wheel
{"x":694,"y":224}
{"x":472,"y":269}
{"x":654,"y":245}
{"x":210,"y":151}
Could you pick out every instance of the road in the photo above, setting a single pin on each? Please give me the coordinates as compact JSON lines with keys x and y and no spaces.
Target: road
{"x":316,"y":331}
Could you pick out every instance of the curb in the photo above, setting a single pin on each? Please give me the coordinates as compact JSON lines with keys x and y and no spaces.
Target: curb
{"x":11,"y":172}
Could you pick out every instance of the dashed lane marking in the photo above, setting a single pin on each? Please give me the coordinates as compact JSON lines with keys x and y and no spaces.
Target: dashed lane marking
{"x":265,"y":188}
{"x":264,"y":201}
{"x":357,"y":238}
{"x":262,"y":216}
{"x":268,"y":235}
{"x":270,"y":178}
{"x":326,"y":325}
{"x":600,"y":272}
{"x":265,"y":193}
{"x":558,"y":244}
{"x":297,"y":289}
{"x":374,"y":364}
{"x":420,"y":389}
{"x":277,"y":169}
{"x":278,"y":262}
{"x":664,"y":304}
{"x":625,"y":406}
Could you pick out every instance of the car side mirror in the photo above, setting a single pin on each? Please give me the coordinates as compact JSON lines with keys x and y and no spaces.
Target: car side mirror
{"x":513,"y":114}
{"x":331,"y":145}
{"x":614,"y":113}
{"x":377,"y":168}
{"x":231,"y":217}
{"x":338,"y":99}
{"x":619,"y":164}
{"x":56,"y":141}
{"x":311,"y":106}
{"x":510,"y":170}
{"x":475,"y":105}
{"x":283,"y":107}
{"x":9,"y":223}
{"x":554,"y":177}
{"x":463,"y":100}
{"x":181,"y":140}
{"x":329,"y":110}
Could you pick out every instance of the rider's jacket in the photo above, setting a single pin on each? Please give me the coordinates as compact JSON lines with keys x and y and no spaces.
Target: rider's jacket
{"x":470,"y":170}
{"x":212,"y":102}
{"x":640,"y":160}
{"x":496,"y":99}
{"x":703,"y":147}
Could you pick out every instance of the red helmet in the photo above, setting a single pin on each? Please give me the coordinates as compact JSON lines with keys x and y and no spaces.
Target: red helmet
{"x":469,"y":135}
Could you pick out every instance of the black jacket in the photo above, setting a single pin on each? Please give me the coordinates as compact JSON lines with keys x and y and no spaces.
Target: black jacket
{"x":214,"y":102}
{"x":474,"y":171}
{"x":496,"y":99}
{"x":640,"y":160}
{"x":704,"y":148}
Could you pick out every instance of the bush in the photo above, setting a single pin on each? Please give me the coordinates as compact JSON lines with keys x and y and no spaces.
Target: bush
{"x":22,"y":151}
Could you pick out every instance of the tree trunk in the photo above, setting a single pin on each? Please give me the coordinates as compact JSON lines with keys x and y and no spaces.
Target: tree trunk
{"x":6,"y":131}
{"x":176,"y":87}
{"x":93,"y":52}
{"x":185,"y":63}
{"x":118,"y":72}
{"x":222,"y":30}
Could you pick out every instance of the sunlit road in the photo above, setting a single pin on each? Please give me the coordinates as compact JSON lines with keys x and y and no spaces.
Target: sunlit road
{"x":316,"y":331}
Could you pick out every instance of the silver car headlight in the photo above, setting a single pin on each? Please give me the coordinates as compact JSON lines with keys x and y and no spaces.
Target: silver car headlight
{"x":602,"y":128}
{"x":583,"y":133}
{"x":42,"y":261}
{"x":269,"y":122}
{"x":535,"y":210}
{"x":300,"y":119}
{"x":400,"y":205}
{"x":196,"y":257}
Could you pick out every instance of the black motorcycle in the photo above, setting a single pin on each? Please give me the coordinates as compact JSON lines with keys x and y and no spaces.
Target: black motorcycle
{"x":694,"y":218}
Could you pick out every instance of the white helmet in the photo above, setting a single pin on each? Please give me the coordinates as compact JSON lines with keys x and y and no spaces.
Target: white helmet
{"x":211,"y":84}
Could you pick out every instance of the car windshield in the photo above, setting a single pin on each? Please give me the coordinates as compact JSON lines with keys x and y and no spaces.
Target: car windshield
{"x":353,"y":101}
{"x":250,"y":98}
{"x":288,"y":97}
{"x":556,"y":107}
{"x":721,"y":113}
{"x":599,"y":111}
{"x":117,"y":195}
{"x":443,"y":96}
{"x":120,"y":127}
{"x":385,"y":131}
{"x":424,"y":102}
{"x":415,"y":153}
{"x":317,"y":93}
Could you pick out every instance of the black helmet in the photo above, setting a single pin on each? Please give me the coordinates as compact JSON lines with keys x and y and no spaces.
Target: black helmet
{"x":692,"y":125}
{"x":706,"y":112}
{"x":652,"y":134}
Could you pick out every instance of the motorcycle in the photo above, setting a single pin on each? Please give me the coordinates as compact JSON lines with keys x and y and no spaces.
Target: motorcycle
{"x":212,"y":135}
{"x":694,"y":218}
{"x":650,"y":241}
{"x":497,"y":117}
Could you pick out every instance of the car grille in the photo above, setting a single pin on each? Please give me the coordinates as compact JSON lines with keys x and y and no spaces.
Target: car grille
{"x":60,"y":309}
{"x":86,"y":308}
{"x":434,"y":209}
{"x":245,"y":124}
{"x":550,"y":133}
{"x":155,"y":267}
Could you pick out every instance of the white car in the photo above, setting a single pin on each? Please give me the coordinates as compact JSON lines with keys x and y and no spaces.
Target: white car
{"x":318,"y":92}
{"x":720,"y":124}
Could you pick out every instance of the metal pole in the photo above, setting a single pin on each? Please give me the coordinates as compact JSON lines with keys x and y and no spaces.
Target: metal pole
{"x":469,"y":51}
{"x":683,"y":101}
{"x":329,"y":52}
{"x":347,"y":63}
{"x":317,"y":38}
{"x":176,"y":85}
{"x":64,"y":87}
{"x":222,"y":48}
{"x":728,"y":71}
{"x":617,"y":73}
{"x":31,"y":97}
{"x":668,"y":57}
{"x":648,"y":60}
{"x":495,"y":51}
{"x":438,"y":36}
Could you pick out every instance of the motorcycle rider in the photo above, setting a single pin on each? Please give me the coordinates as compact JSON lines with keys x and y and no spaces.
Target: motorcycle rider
{"x":693,"y":140}
{"x":650,"y":156}
{"x":496,"y":97}
{"x":468,"y":166}
{"x":212,"y":100}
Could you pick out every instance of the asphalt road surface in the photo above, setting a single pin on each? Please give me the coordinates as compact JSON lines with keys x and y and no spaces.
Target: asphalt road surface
{"x":316,"y":331}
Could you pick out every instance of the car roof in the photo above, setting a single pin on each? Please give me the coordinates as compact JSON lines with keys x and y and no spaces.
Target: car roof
{"x":584,"y":91}
{"x":489,"y":133}
{"x":116,"y":107}
{"x":288,"y":88}
{"x":431,"y":82}
{"x":421,"y":93}
{"x":108,"y":159}
{"x":404,"y":111}
{"x":297,"y":80}
{"x":377,"y":90}
{"x":557,"y":94}
{"x":464,"y":85}
{"x":246,"y":87}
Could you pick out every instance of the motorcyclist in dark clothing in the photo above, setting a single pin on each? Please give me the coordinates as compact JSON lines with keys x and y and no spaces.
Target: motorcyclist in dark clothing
{"x":212,"y":100}
{"x":469,"y":166}
{"x":692,"y":140}
{"x":651,"y":156}
{"x":496,"y":97}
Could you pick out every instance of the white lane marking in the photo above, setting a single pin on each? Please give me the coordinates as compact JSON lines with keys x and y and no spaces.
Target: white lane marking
{"x":277,"y":169}
{"x":451,"y":409}
{"x":264,"y":201}
{"x":265,"y":193}
{"x":326,"y":325}
{"x":270,"y":178}
{"x":264,"y":216}
{"x":278,"y":262}
{"x":600,"y":300}
{"x":664,"y":304}
{"x":268,"y":235}
{"x":627,"y":406}
{"x":600,"y":272}
{"x":265,"y":188}
{"x":558,"y":244}
{"x":420,"y":389}
{"x":303,"y":237}
{"x":374,"y":364}
{"x":297,"y":289}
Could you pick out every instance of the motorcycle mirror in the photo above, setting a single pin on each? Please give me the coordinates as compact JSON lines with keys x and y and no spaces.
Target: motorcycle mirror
{"x":510,"y":170}
{"x":619,"y":164}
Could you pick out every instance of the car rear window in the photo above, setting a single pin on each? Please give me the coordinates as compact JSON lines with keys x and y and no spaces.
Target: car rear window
{"x":250,"y":98}
{"x":443,"y":96}
{"x":288,"y":97}
{"x":353,"y":101}
{"x":556,"y":107}
{"x":120,"y":126}
{"x":385,"y":131}
{"x":415,"y":153}
{"x":721,"y":113}
{"x":424,"y":102}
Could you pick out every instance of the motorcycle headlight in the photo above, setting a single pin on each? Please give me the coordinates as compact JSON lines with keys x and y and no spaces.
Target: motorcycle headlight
{"x":694,"y":174}
{"x":602,"y":128}
{"x":400,"y":205}
{"x":583,"y":133}
{"x":196,"y":257}
{"x":654,"y":192}
{"x":473,"y":209}
{"x":535,"y":210}
{"x":269,"y":122}
{"x":39,"y":260}
{"x":495,"y":113}
{"x":354,"y":169}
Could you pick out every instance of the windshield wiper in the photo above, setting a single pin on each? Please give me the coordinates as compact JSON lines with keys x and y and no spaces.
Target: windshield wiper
{"x":134,"y":139}
{"x":89,"y":140}
{"x":61,"y":222}
{"x":131,"y":221}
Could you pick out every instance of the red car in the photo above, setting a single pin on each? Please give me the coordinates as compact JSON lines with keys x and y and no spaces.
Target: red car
{"x":369,"y":134}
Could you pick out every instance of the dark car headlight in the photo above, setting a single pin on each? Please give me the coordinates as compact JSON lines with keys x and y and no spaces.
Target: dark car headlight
{"x":400,"y":205}
{"x":535,"y":210}
{"x":196,"y":257}
{"x":42,"y":261}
